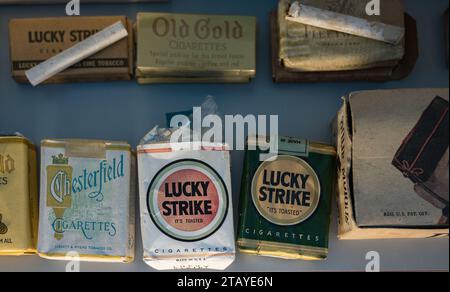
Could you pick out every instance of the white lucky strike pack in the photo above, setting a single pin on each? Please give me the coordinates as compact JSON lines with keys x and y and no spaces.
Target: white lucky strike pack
{"x":186,"y":208}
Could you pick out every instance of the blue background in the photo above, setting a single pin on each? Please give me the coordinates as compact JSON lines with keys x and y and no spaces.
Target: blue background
{"x":126,"y":111}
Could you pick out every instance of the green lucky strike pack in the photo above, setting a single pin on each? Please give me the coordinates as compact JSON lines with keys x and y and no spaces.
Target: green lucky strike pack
{"x":286,"y":200}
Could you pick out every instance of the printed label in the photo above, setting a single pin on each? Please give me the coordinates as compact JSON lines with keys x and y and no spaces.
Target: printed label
{"x":196,"y":42}
{"x":59,"y":190}
{"x":60,"y":36}
{"x":188,"y":200}
{"x":7,"y":166}
{"x":286,"y":191}
{"x":88,"y":63}
{"x":62,"y":185}
{"x":202,"y":29}
{"x":3,"y":227}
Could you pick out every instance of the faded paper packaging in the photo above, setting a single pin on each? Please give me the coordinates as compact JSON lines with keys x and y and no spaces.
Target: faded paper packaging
{"x":307,"y":48}
{"x":285,"y":205}
{"x":186,"y":207}
{"x":189,"y":46}
{"x":33,"y":41}
{"x":18,"y":193}
{"x":86,"y":201}
{"x":378,"y":197}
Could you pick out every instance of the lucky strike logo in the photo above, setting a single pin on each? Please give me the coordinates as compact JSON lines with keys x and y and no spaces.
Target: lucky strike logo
{"x":286,"y":190}
{"x":188,"y":200}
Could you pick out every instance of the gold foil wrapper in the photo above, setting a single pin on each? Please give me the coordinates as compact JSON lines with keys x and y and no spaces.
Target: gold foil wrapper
{"x":18,"y":196}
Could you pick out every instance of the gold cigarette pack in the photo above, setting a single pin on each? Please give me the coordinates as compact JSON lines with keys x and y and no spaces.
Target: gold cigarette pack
{"x":195,"y":48}
{"x":87,"y":201}
{"x":33,"y":41}
{"x":18,"y":196}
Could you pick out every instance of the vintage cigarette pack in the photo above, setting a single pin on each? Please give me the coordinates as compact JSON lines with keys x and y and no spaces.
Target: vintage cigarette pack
{"x":393,"y":164}
{"x":195,"y":48}
{"x":33,"y":41}
{"x":186,"y":206}
{"x":18,"y":196}
{"x":304,"y":53}
{"x":87,"y":201}
{"x":308,"y":48}
{"x":285,"y":205}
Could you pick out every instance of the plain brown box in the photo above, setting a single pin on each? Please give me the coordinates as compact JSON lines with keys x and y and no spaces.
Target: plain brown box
{"x":24,"y":53}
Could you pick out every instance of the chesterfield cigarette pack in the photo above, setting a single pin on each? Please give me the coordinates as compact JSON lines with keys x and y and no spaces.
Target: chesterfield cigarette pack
{"x":86,"y":203}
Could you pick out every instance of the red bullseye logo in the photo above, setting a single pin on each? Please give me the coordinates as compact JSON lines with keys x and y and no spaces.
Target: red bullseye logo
{"x":188,"y":200}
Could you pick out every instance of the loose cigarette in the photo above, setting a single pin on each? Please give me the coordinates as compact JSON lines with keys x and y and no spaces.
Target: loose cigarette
{"x":77,"y":53}
{"x":344,"y":23}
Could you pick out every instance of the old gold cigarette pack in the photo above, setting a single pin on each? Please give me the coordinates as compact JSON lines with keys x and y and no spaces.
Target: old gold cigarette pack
{"x":87,"y":201}
{"x":18,"y":196}
{"x":195,"y":48}
{"x":33,"y":41}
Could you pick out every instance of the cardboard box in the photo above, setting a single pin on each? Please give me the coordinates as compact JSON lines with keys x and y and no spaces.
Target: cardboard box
{"x":376,"y":199}
{"x":33,"y":41}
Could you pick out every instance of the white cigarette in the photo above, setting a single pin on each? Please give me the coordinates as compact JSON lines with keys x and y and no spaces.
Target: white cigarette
{"x":77,"y":53}
{"x":344,"y":23}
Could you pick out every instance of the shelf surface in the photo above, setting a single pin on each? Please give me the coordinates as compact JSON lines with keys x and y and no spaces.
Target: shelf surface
{"x":126,"y":111}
